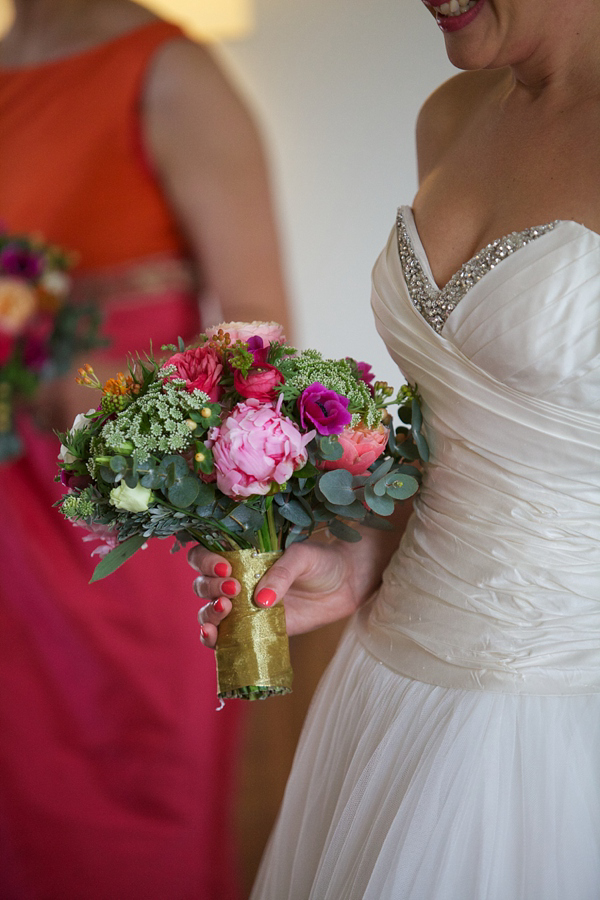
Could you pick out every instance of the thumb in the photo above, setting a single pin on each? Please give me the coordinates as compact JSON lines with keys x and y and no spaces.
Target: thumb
{"x":275,"y":584}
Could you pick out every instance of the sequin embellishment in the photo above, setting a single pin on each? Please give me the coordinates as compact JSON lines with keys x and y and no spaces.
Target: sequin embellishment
{"x":435,"y":305}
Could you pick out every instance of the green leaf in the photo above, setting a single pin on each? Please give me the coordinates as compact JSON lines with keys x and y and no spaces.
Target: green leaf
{"x":336,"y":486}
{"x":344,"y":532}
{"x":184,"y":492}
{"x":400,"y":487}
{"x":383,"y":506}
{"x":118,"y":464}
{"x":381,"y":470}
{"x":306,"y":471}
{"x":174,"y":467}
{"x":107,"y":475}
{"x":295,"y":512}
{"x":422,"y":446}
{"x":330,"y":448}
{"x":121,"y":553}
{"x":355,"y":511}
{"x":206,"y":494}
{"x":417,"y":416}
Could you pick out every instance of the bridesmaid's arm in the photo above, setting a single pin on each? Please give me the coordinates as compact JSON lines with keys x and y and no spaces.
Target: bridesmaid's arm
{"x":209,"y":157}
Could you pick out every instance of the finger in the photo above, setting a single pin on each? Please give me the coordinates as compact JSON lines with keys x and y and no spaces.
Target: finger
{"x":274,"y":585}
{"x":214,"y":613}
{"x":208,"y":635}
{"x":207,"y":562}
{"x":209,"y":587}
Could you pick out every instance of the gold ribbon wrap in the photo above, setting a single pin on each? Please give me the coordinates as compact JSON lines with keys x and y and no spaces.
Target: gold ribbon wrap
{"x":253,"y":658}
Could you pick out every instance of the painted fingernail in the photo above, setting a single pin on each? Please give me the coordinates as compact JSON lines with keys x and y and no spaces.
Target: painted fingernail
{"x":202,"y":633}
{"x":265,"y":597}
{"x":221,"y":569}
{"x":219,"y":605}
{"x":229,"y":588}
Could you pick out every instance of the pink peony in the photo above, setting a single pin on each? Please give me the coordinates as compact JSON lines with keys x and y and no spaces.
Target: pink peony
{"x":362,"y":446}
{"x":256,"y":447}
{"x":260,"y":383}
{"x":199,"y":367}
{"x":243,"y":331}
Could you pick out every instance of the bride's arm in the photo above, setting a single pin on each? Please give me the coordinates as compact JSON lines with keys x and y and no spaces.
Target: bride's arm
{"x":321,"y":582}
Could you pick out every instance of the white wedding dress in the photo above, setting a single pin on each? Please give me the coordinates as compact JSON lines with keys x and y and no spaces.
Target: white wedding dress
{"x":452,"y":751}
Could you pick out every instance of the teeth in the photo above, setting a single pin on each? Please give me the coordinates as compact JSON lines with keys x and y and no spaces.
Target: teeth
{"x":455,"y":7}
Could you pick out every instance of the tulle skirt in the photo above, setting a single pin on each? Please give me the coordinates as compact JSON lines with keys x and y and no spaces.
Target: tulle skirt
{"x":406,"y":791}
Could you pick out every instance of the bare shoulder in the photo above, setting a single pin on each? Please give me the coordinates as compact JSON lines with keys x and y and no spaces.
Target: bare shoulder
{"x":185,"y":73}
{"x":447,"y":111}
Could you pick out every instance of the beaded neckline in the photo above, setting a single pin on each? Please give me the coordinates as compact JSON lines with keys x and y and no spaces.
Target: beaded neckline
{"x":435,"y":304}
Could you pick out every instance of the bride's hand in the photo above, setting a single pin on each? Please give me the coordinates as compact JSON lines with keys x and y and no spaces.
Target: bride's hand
{"x":316,"y":580}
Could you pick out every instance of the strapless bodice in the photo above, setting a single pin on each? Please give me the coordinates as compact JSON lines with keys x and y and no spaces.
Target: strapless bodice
{"x":496,"y":584}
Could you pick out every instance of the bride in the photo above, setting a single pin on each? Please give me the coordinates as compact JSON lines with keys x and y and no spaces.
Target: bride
{"x":452,"y":751}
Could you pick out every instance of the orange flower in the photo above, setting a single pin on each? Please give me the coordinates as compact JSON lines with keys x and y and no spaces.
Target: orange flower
{"x":17,"y":305}
{"x":120,"y":385}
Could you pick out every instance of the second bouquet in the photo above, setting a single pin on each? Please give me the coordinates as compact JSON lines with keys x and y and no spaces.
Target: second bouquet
{"x":244,"y":445}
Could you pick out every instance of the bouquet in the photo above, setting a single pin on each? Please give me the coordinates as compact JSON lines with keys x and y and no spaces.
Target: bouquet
{"x":244,"y":445}
{"x":40,"y":331}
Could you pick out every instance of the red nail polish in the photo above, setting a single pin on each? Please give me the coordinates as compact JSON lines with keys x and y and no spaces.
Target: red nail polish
{"x":266,"y":597}
{"x":229,"y":588}
{"x":219,"y":606}
{"x":202,"y":633}
{"x":221,"y":569}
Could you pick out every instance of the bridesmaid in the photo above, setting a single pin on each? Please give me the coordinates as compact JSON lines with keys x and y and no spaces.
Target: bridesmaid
{"x":123,"y":141}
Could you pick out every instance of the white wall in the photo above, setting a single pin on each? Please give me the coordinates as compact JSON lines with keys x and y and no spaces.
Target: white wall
{"x":337,"y":85}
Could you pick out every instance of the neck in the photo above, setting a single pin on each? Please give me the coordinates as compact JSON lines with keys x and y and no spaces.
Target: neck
{"x":49,"y":29}
{"x":568,"y":67}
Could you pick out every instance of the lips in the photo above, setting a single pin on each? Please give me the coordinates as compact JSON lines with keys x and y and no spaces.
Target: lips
{"x":454,"y":15}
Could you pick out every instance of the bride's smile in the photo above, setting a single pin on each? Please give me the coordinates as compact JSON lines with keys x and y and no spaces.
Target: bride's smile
{"x":452,"y":15}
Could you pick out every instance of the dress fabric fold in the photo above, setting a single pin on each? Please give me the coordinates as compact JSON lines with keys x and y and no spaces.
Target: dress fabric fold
{"x":453,"y":748}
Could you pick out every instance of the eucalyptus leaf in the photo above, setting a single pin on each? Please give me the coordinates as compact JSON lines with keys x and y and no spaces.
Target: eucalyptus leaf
{"x":355,"y":511}
{"x":344,"y":532}
{"x":118,"y":463}
{"x":401,"y":487}
{"x":336,"y":486}
{"x":120,"y":554}
{"x":422,"y":446}
{"x":382,"y":469}
{"x":383,"y":506}
{"x":416,"y":415}
{"x":206,"y":493}
{"x":184,"y":492}
{"x":330,"y":448}
{"x":131,"y":480}
{"x":107,"y":475}
{"x":295,"y":512}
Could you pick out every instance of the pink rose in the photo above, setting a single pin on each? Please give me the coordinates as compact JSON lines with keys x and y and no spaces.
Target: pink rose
{"x":256,"y":447}
{"x":362,"y":446}
{"x":243,"y":331}
{"x":199,"y":367}
{"x":260,"y":382}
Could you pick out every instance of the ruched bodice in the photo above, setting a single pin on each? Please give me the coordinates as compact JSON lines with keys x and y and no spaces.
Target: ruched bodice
{"x":496,"y":584}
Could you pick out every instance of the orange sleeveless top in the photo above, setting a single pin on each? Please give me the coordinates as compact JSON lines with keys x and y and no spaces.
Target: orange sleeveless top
{"x":72,"y":163}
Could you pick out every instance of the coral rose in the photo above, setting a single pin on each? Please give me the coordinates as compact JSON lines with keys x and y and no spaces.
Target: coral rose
{"x":361,"y":446}
{"x":17,"y":305}
{"x":260,"y":383}
{"x":256,"y":447}
{"x":243,"y":331}
{"x":200,"y":368}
